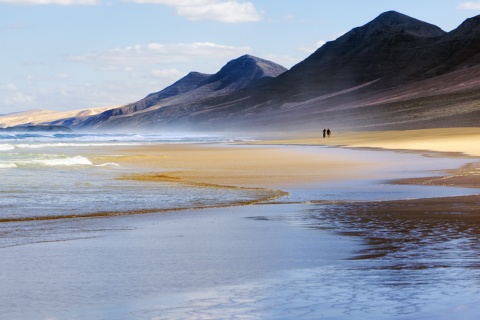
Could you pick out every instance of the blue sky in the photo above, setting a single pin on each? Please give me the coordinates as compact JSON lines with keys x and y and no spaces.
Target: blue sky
{"x":76,"y":54}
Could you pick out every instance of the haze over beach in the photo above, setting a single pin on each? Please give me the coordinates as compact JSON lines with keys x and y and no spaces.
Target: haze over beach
{"x":215,"y":159}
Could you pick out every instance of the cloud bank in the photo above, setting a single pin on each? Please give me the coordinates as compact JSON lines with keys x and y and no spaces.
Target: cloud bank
{"x":470,"y":5}
{"x":57,"y":2}
{"x":231,"y":11}
{"x":223,"y":11}
{"x":153,"y":54}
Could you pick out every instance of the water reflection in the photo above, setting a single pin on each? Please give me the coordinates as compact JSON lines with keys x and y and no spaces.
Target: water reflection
{"x":413,"y":234}
{"x":417,"y":255}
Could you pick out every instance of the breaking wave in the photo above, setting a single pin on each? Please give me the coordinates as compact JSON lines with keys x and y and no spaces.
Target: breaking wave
{"x":31,"y":161}
{"x":6,"y":147}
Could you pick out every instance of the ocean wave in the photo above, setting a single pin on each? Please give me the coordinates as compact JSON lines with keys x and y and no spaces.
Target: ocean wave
{"x":72,"y":139}
{"x":108,"y":164}
{"x":69,"y":161}
{"x":6,"y":147}
{"x":47,"y":161}
{"x":61,"y":145}
{"x":7,"y":165}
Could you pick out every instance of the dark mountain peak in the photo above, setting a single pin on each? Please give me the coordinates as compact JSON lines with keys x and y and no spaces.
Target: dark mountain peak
{"x":187,"y":83}
{"x":469,"y":28}
{"x":392,"y":22}
{"x":394,"y":18}
{"x":248,"y":63}
{"x":195,"y":74}
{"x":243,"y":72}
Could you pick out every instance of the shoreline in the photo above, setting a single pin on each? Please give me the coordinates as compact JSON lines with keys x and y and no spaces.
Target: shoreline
{"x":298,"y":259}
{"x":272,"y":167}
{"x":444,"y":143}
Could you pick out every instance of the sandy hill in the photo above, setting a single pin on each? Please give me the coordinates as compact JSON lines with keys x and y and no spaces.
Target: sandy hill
{"x":41,"y":116}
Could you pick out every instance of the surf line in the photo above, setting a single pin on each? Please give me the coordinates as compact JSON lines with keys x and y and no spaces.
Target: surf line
{"x":271,"y":196}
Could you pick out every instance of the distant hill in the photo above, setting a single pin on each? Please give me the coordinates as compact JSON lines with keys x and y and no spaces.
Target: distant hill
{"x":394,"y":72}
{"x":42,"y":116}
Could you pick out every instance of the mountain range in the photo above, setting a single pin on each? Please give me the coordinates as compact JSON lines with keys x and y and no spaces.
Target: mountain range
{"x":395,"y":72}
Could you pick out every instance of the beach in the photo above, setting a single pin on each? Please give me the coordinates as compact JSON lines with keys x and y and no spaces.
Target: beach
{"x":312,"y":228}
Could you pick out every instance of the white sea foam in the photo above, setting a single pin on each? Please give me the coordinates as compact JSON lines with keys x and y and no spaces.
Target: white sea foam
{"x":71,"y":144}
{"x":6,"y":147}
{"x":108,"y":164}
{"x":7,"y":165}
{"x":69,"y":161}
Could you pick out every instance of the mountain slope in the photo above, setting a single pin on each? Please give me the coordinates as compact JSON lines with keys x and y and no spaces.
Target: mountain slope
{"x":240,"y":73}
{"x":384,"y":47}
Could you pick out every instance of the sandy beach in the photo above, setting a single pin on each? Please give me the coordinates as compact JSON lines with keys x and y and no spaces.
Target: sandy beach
{"x":238,"y":165}
{"x":464,"y":141}
{"x":330,"y":243}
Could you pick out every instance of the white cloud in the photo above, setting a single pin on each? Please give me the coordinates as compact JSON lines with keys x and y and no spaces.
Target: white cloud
{"x":8,"y":87}
{"x":223,"y":11}
{"x":312,"y":48}
{"x":57,"y":2}
{"x":137,"y":57}
{"x":470,"y":5}
{"x":283,"y":60}
{"x":171,"y":73}
{"x":12,"y":96}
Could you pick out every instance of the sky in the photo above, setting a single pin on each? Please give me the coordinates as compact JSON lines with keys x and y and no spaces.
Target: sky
{"x":77,"y":54}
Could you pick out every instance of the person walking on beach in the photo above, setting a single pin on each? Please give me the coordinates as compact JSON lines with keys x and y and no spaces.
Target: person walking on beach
{"x":328,"y":132}
{"x":324,"y":132}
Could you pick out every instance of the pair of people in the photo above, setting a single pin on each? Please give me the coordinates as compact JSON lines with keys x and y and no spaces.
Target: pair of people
{"x":327,"y":131}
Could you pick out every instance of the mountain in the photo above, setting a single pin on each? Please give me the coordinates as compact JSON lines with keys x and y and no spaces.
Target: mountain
{"x":395,"y":72}
{"x":243,"y":72}
{"x":384,"y":47}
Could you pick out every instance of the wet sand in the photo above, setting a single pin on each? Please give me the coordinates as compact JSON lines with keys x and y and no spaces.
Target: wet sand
{"x":406,"y":259}
{"x":237,"y":165}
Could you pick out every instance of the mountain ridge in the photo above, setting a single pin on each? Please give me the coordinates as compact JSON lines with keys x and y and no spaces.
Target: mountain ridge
{"x":393,"y":72}
{"x":237,"y":74}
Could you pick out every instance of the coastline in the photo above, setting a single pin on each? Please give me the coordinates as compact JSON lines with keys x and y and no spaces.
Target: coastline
{"x":291,"y":258}
{"x":444,"y":142}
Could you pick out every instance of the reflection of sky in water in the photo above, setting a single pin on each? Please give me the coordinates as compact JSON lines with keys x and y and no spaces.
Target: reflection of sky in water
{"x":391,"y":166}
{"x":372,"y":190}
{"x":337,"y":292}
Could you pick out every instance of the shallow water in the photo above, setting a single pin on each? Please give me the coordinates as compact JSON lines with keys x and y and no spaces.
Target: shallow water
{"x":377,"y":182}
{"x":52,"y":175}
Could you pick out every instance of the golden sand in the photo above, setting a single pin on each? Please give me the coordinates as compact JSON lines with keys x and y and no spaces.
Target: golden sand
{"x":455,"y":140}
{"x":235,"y":165}
{"x":289,"y":160}
{"x":447,"y":141}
